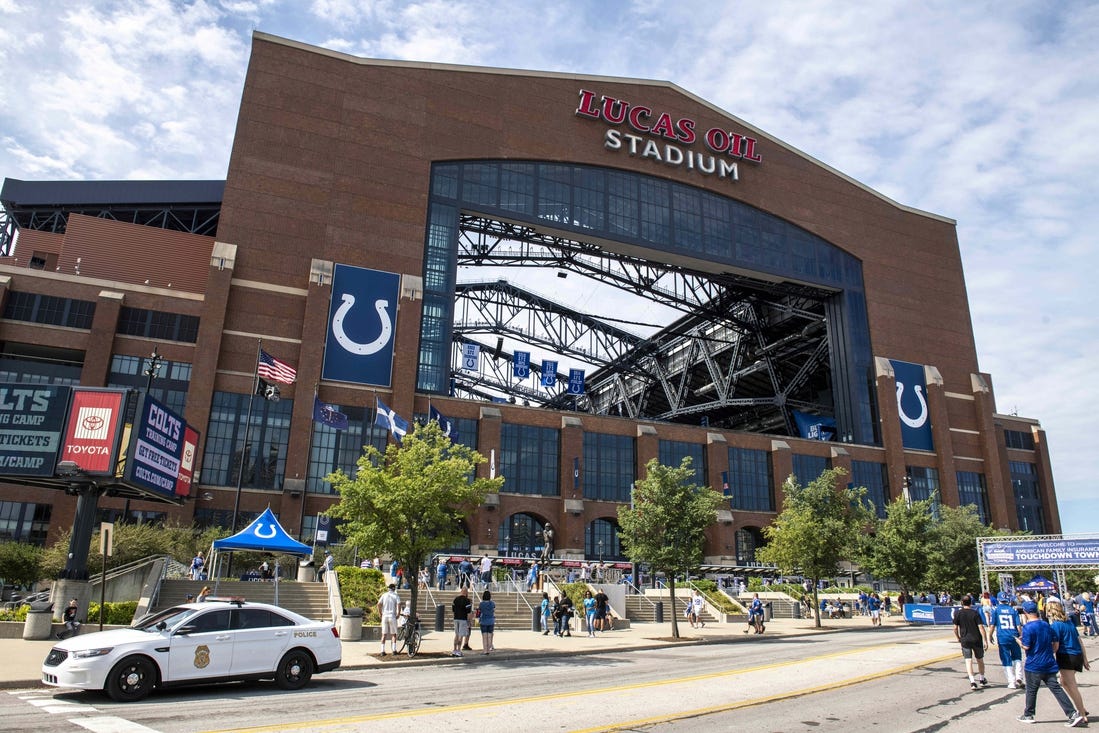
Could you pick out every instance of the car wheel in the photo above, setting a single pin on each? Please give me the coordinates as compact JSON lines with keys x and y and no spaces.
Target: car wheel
{"x":295,"y":670}
{"x":131,"y":679}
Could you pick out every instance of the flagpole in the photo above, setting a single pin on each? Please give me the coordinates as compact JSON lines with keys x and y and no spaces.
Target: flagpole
{"x":247,"y":431}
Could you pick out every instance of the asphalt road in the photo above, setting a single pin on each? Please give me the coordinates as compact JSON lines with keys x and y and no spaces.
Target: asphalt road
{"x":901,"y":679}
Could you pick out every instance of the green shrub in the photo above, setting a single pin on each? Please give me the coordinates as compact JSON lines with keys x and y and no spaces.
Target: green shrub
{"x":719,"y":600}
{"x":115,"y":613}
{"x":17,"y":614}
{"x":361,"y":588}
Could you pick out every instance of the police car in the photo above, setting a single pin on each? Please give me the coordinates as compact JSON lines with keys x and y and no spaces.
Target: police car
{"x":219,"y":640}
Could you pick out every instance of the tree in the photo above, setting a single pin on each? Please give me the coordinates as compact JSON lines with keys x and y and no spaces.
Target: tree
{"x":20,"y":563}
{"x":133,"y":542}
{"x":411,"y":500}
{"x":952,"y":562}
{"x":666,"y":525}
{"x":820,"y":525}
{"x":898,"y":548}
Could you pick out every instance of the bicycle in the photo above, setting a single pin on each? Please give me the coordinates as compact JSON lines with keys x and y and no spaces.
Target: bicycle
{"x":409,"y":637}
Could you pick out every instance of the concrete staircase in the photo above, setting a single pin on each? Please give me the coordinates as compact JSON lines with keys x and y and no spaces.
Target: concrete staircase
{"x":512,"y":613}
{"x":308,"y":599}
{"x":641,"y":609}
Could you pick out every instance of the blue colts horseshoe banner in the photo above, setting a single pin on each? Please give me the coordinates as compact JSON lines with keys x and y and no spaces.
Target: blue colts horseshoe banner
{"x":361,"y":323}
{"x":912,"y":405}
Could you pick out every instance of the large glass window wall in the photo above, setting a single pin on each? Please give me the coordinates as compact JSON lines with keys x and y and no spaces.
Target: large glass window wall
{"x":530,"y":459}
{"x":672,"y":452}
{"x":750,"y":480}
{"x":609,"y":462}
{"x":1028,"y":500}
{"x":263,"y":450}
{"x":875,"y":479}
{"x":652,"y":213}
{"x":971,"y":490}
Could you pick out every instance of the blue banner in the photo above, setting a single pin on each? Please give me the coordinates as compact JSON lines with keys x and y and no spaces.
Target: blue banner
{"x":925,"y":613}
{"x":549,"y":373}
{"x":1041,"y":553}
{"x":32,"y":418}
{"x":912,"y":405}
{"x":520,"y":364}
{"x":576,"y":381}
{"x":156,"y":448}
{"x":361,"y":325}
{"x":815,"y":427}
{"x":447,"y":425}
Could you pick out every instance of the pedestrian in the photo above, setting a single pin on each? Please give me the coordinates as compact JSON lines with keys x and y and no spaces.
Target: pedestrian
{"x":697,"y":604}
{"x":1041,"y":668}
{"x":873,"y":605}
{"x":72,"y":625}
{"x":1087,"y":614}
{"x":1070,"y":654}
{"x":421,"y":578}
{"x":556,"y":612}
{"x":532,"y":576}
{"x":441,"y":571}
{"x":1005,"y":620}
{"x":204,"y":594}
{"x":589,"y":612}
{"x":197,"y":565}
{"x":486,"y":570}
{"x":328,"y":564}
{"x":755,"y":615}
{"x":967,"y":630}
{"x":602,"y":611}
{"x":388,"y":606}
{"x":547,"y":612}
{"x":265,"y":570}
{"x":465,"y":572}
{"x":486,"y":615}
{"x":566,"y":610}
{"x":462,"y":607}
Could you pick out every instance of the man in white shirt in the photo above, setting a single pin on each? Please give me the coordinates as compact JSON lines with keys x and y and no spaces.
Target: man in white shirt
{"x":388,"y":606}
{"x":486,"y":569}
{"x":697,"y":603}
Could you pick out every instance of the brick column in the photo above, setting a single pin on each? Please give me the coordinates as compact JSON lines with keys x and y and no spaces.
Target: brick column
{"x":940,"y":434}
{"x":885,"y":383}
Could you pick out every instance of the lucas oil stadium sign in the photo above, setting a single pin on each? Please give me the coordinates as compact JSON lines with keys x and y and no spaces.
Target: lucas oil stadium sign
{"x":664,"y":138}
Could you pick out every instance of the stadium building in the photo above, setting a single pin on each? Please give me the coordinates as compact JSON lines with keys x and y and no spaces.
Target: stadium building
{"x":419,"y":238}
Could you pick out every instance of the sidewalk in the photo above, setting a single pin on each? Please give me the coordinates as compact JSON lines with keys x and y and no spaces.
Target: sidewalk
{"x":23,"y":659}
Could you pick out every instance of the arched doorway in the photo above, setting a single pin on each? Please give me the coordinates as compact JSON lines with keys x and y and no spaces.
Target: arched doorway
{"x":520,"y":536}
{"x":602,"y":542}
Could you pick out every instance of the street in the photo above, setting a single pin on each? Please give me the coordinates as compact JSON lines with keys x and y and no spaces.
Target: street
{"x":903,"y":678}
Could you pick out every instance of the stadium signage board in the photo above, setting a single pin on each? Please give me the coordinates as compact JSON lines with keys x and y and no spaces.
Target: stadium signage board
{"x":727,"y":147}
{"x":31,"y":420}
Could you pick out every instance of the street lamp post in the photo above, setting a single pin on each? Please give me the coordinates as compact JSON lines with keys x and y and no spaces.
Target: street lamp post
{"x":151,"y":372}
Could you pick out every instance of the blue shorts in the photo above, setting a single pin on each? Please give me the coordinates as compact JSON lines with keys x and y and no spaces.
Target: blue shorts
{"x":1009,"y":651}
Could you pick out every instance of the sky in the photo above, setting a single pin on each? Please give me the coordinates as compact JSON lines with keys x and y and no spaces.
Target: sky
{"x":984,"y":112}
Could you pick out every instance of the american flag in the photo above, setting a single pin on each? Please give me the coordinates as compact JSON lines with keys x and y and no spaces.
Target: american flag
{"x":273,"y":370}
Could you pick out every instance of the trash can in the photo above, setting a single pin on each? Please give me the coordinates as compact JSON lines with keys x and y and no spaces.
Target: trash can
{"x":351,"y":624}
{"x":659,"y":611}
{"x":768,"y":611}
{"x":38,"y":624}
{"x":306,"y":571}
{"x":440,"y":617}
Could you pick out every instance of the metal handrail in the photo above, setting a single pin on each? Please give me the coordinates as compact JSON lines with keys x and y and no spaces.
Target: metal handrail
{"x":640,"y":593}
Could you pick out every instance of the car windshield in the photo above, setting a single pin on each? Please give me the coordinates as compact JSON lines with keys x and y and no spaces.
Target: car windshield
{"x":169,"y":617}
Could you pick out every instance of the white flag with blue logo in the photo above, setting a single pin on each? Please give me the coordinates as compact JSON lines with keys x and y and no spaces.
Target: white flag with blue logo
{"x":391,"y":421}
{"x":471,"y":357}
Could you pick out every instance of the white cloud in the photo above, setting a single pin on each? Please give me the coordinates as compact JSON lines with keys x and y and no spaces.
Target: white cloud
{"x":985,"y":112}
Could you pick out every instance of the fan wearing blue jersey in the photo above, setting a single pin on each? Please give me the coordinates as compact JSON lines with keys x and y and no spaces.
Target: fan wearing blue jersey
{"x":1005,"y":619}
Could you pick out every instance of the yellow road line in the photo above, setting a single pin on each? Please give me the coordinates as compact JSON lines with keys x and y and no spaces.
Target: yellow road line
{"x":604,"y":690}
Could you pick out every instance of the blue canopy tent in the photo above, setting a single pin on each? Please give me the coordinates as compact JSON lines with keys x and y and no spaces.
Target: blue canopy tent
{"x":1038,"y":582}
{"x":264,"y":534}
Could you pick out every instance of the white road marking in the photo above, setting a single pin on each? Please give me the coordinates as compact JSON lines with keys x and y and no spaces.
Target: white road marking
{"x":111,"y":724}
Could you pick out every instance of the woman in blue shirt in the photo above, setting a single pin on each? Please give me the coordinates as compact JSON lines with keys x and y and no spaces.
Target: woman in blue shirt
{"x":589,"y":612}
{"x":486,"y":614}
{"x":1070,"y":654}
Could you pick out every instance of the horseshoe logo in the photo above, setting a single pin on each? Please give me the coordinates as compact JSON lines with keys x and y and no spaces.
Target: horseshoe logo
{"x":919,"y":421}
{"x":353,"y":346}
{"x":263,"y":536}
